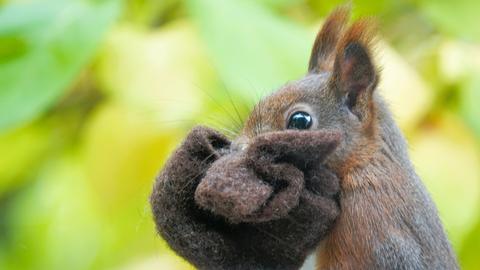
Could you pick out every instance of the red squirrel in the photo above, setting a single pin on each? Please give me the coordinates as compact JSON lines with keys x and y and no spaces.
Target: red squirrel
{"x":320,"y":163}
{"x":387,"y":219}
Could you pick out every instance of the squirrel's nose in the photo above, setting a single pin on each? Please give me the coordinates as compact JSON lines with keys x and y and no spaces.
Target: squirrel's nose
{"x":239,"y":144}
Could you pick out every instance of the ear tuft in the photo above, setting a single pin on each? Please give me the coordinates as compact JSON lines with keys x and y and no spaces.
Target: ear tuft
{"x":354,"y":76}
{"x":323,"y":51}
{"x":353,"y":67}
{"x":362,"y":31}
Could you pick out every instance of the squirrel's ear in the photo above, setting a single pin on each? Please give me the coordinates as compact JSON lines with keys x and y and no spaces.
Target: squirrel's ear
{"x":354,"y":75}
{"x":323,"y":51}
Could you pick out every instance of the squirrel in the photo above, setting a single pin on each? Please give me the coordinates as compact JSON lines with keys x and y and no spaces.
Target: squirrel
{"x":320,"y":164}
{"x":387,"y":218}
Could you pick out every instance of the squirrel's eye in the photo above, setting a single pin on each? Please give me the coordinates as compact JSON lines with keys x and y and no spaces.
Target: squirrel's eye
{"x":299,"y":120}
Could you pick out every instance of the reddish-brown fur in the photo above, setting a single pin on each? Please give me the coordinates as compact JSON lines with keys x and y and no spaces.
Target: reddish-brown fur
{"x":267,"y":112}
{"x":376,"y":181}
{"x":350,"y":242}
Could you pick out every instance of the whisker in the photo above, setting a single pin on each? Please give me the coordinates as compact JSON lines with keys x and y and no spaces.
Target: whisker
{"x":240,"y":119}
{"x":217,"y":124}
{"x":235,"y":121}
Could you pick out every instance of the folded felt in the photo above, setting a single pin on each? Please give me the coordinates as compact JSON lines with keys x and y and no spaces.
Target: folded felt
{"x":264,"y":207}
{"x":264,"y":181}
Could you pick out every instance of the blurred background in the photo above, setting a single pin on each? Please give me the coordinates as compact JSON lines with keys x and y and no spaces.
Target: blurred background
{"x":95,"y":94}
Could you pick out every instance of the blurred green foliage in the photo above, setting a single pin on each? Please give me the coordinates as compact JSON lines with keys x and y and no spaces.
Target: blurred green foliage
{"x":95,"y":94}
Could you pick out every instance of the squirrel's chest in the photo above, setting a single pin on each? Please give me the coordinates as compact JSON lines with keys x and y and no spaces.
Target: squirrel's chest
{"x":364,"y":221}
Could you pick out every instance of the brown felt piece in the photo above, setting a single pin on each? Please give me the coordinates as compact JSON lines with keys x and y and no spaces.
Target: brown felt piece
{"x":265,"y":182}
{"x":264,"y":208}
{"x":232,"y":190}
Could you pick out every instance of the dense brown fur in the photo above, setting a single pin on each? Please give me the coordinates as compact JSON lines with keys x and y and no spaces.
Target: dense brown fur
{"x":382,"y":197}
{"x":388,"y":220}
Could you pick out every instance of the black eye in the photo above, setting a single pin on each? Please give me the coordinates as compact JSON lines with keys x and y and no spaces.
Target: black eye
{"x":299,"y":120}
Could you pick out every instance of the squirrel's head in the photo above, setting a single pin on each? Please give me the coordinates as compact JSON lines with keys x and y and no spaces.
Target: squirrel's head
{"x":336,"y":94}
{"x":294,"y":137}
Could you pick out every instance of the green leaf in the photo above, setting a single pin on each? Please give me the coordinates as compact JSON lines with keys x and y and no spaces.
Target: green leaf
{"x":253,"y":50}
{"x":468,"y":254}
{"x":459,"y":18}
{"x":470,"y":108}
{"x":57,"y":202}
{"x":43,"y":46}
{"x":22,"y":151}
